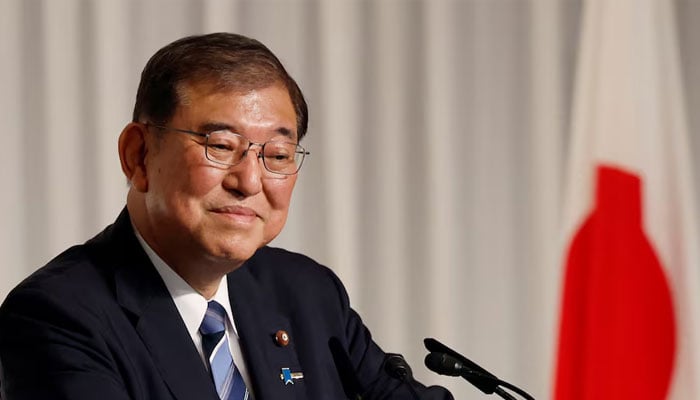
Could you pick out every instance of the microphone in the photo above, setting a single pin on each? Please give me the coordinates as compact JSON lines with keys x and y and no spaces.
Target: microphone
{"x":444,"y":364}
{"x":396,"y":367}
{"x":445,"y":361}
{"x":434,"y":346}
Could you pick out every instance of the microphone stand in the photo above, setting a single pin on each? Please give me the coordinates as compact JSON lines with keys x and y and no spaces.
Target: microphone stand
{"x":443,"y":360}
{"x":466,"y":373}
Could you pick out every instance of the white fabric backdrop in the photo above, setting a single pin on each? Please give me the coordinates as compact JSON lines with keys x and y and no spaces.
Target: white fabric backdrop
{"x":440,"y":211}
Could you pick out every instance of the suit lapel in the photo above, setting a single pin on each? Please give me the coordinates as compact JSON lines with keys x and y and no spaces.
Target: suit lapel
{"x":141,"y":291}
{"x":257,"y":322}
{"x":173,"y":351}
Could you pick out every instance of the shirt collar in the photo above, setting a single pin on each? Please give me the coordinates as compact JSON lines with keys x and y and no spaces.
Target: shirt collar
{"x":190,"y":304}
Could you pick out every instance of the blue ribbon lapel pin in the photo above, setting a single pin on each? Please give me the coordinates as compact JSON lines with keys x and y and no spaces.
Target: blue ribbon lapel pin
{"x":288,"y":377}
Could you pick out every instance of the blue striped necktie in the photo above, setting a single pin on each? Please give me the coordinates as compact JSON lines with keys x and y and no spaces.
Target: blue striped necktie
{"x":227,"y":378}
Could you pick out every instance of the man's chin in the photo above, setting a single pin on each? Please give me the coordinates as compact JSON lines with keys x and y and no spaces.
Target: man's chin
{"x":237,"y":253}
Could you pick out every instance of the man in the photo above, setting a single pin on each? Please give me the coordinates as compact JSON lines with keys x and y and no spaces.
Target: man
{"x":180,"y":298}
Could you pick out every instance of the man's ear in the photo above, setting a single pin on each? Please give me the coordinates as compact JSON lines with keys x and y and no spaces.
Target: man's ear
{"x":133,"y":149}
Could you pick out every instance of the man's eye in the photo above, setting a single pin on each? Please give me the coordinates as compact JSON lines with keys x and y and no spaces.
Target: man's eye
{"x":221,"y":146}
{"x":278,"y":153}
{"x":277,"y":156}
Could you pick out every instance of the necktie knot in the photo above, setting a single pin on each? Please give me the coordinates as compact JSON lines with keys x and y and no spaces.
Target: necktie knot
{"x":214,"y":319}
{"x":213,"y":327}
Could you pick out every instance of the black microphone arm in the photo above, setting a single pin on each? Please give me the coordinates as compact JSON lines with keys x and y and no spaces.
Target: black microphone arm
{"x":445,"y":361}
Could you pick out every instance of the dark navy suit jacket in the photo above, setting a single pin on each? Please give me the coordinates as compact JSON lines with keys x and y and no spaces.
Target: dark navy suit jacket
{"x":97,"y":322}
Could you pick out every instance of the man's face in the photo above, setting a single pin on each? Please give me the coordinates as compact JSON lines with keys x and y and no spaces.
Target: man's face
{"x":197,"y":208}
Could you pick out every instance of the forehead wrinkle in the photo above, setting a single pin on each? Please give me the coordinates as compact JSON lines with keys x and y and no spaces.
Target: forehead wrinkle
{"x":207,"y":87}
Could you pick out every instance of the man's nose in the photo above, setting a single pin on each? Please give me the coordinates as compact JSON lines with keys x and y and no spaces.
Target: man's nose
{"x":246,"y":176}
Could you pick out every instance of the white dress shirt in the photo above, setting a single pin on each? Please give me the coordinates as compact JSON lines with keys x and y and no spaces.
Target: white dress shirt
{"x":192,"y":306}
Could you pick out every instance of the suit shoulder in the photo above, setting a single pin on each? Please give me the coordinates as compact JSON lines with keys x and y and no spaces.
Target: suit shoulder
{"x":292,"y":263}
{"x":71,"y":278}
{"x":289,"y":268}
{"x":61,"y":269}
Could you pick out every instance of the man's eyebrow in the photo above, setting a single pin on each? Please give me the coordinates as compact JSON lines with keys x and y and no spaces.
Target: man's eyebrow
{"x":209,"y":127}
{"x":286,"y":132}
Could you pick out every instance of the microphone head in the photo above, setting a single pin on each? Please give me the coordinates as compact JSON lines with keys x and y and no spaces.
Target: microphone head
{"x":434,"y":346}
{"x":443,"y":364}
{"x":397,"y":367}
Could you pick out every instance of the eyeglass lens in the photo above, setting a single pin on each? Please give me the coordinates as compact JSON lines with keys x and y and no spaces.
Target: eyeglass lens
{"x":229,"y":148}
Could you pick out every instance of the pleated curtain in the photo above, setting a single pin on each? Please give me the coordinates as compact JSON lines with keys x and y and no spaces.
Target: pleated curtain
{"x":439,"y":136}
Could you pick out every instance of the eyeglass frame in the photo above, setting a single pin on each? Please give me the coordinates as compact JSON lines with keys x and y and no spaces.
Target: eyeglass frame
{"x":300,"y":150}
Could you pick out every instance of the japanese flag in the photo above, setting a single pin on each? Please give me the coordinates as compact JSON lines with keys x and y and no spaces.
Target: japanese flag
{"x":630,"y":316}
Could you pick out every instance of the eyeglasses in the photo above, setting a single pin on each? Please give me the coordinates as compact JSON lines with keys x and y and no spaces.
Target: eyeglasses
{"x":228,"y":148}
